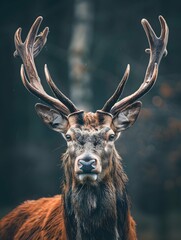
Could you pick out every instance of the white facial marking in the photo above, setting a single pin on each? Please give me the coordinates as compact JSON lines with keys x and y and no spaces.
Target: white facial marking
{"x":89,"y":175}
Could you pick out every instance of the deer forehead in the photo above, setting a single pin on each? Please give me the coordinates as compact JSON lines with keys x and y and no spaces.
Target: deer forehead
{"x":90,"y":121}
{"x":90,"y":127}
{"x":90,"y":134}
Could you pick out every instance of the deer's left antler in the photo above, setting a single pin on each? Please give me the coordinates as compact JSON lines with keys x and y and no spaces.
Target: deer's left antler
{"x":157,"y":49}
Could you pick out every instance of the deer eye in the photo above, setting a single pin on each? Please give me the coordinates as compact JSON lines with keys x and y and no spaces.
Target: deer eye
{"x":68,"y":137}
{"x":111,"y":137}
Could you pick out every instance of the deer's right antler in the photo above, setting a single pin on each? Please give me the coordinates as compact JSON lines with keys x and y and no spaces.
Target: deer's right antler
{"x":28,"y":51}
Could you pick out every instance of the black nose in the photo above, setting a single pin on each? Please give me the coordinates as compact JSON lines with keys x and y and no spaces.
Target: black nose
{"x":87,"y":165}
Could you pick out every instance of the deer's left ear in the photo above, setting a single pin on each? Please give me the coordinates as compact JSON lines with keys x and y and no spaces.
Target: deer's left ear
{"x":127,"y":118}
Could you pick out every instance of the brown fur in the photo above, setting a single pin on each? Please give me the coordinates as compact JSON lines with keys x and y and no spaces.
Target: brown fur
{"x":40,"y":219}
{"x":43,"y":219}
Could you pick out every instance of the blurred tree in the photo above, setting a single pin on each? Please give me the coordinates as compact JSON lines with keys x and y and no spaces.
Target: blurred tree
{"x":79,"y":69}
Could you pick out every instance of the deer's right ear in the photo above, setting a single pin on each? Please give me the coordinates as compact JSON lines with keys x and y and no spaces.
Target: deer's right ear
{"x":52,"y":118}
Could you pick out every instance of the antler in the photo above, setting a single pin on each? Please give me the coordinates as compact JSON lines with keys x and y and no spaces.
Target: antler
{"x":28,"y":51}
{"x":157,"y":49}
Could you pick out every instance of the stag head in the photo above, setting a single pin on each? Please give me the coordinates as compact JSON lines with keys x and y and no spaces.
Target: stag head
{"x":90,"y":136}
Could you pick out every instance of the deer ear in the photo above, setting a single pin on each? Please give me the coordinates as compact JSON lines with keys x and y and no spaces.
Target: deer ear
{"x":52,"y":118}
{"x":127,"y":118}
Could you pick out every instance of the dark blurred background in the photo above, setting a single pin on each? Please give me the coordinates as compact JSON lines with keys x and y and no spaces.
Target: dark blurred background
{"x":151,"y":149}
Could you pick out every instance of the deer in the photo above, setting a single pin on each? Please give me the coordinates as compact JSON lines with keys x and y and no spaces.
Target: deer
{"x":94,"y":203}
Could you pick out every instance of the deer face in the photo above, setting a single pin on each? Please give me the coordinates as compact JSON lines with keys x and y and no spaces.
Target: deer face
{"x":90,"y":151}
{"x":90,"y":147}
{"x":90,"y":139}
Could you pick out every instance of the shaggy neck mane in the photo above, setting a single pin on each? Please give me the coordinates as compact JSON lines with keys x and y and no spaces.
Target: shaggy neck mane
{"x":95,"y":212}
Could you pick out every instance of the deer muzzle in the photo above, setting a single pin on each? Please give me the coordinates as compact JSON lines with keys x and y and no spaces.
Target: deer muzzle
{"x":87,"y":167}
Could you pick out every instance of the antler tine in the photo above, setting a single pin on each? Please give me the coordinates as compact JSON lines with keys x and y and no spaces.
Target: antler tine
{"x":164,"y":32}
{"x":58,"y":93}
{"x":157,"y":49}
{"x":42,"y":94}
{"x":40,"y":41}
{"x":113,"y":99}
{"x":157,"y":44}
{"x":27,"y":51}
{"x":143,"y":89}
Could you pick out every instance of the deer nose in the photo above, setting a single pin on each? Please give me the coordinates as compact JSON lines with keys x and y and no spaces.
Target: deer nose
{"x":87,"y":165}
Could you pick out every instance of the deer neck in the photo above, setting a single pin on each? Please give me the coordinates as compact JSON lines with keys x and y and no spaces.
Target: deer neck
{"x":97,"y":212}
